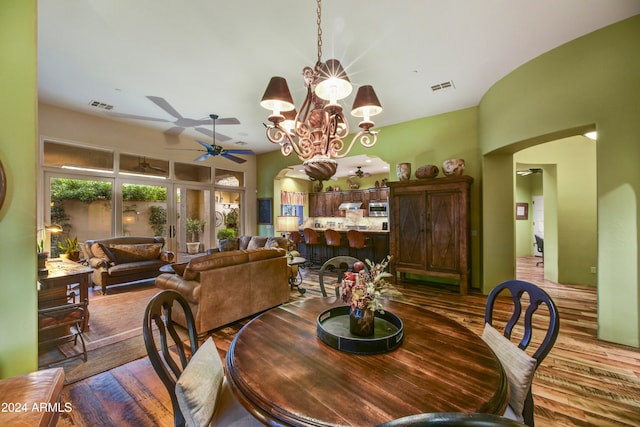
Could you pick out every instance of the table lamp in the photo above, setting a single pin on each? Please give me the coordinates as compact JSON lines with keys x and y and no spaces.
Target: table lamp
{"x":287,"y":224}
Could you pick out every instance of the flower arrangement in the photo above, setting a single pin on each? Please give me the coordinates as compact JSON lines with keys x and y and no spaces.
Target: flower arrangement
{"x":363,"y":289}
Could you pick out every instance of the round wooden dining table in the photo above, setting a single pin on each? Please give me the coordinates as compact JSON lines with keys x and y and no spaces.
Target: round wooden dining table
{"x":285,"y":375}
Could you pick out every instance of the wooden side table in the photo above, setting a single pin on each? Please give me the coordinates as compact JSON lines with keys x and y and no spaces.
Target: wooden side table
{"x":62,"y":273}
{"x":295,"y":277}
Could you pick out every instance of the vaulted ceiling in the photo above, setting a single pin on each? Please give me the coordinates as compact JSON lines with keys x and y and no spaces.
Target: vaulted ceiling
{"x":172,"y":63}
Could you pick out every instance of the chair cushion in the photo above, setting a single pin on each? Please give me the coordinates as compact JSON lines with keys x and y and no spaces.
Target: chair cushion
{"x":199,"y":385}
{"x":518,"y":365}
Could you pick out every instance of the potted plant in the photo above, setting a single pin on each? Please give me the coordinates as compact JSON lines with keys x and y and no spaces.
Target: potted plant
{"x":70,"y":248}
{"x":194,"y":227}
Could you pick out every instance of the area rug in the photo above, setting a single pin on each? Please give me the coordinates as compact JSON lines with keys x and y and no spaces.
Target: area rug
{"x":115,"y":334}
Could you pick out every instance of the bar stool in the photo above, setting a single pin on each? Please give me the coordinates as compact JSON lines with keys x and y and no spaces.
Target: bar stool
{"x":312,"y":241}
{"x":356,"y":243}
{"x":332,"y":239}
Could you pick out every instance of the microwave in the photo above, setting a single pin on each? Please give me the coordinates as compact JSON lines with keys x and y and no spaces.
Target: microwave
{"x":379,"y":208}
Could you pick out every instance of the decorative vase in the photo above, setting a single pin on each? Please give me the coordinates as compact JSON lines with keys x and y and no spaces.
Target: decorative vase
{"x":403,"y":170}
{"x":193,"y":247}
{"x":427,"y":171}
{"x":42,"y":262}
{"x":361,"y":322}
{"x":453,"y":167}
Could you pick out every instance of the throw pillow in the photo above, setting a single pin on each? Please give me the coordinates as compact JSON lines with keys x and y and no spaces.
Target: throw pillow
{"x":199,"y":385}
{"x":243,"y":241}
{"x":518,"y":365}
{"x":101,"y":251}
{"x":257,"y":242}
{"x":136,"y":252}
{"x":230,"y":244}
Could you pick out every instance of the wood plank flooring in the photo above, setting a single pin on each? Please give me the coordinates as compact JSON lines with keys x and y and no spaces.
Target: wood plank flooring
{"x":583,"y":382}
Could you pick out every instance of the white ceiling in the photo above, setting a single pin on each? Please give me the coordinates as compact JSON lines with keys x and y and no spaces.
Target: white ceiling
{"x":214,"y":56}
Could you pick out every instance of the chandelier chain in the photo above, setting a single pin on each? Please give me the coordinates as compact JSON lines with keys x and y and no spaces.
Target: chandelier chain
{"x":319,"y":22}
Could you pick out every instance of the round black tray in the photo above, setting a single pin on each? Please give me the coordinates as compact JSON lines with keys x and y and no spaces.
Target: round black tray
{"x":333,"y":330}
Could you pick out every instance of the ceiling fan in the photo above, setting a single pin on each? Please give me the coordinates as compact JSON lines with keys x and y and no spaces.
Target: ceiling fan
{"x":181,"y":123}
{"x":217,"y":150}
{"x":144,"y":166}
{"x":359,"y":173}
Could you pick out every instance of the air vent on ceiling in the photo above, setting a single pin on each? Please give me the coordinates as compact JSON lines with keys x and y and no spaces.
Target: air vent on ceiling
{"x":443,"y":86}
{"x":241,"y":143}
{"x":101,"y":105}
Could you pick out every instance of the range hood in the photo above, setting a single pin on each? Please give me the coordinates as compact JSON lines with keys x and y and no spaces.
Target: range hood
{"x":349,"y":206}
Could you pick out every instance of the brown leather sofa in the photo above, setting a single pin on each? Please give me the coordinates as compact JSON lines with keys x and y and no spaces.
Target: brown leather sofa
{"x":223,"y":287}
{"x":125,"y":259}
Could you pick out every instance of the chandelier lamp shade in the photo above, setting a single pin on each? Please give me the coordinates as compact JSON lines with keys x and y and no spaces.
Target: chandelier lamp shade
{"x":316,"y":131}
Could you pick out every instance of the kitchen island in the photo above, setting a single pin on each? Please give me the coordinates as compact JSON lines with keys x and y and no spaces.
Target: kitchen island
{"x":377,"y":242}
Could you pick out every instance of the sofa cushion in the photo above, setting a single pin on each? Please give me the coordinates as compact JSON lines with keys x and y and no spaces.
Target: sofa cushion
{"x":230,"y":244}
{"x":265,"y":253}
{"x":243,"y":242}
{"x":257,"y":242}
{"x":135,"y":252}
{"x":217,"y":260}
{"x":136,"y":267}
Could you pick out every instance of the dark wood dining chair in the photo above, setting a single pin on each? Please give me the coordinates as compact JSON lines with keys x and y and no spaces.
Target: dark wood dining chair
{"x":507,"y":351}
{"x":452,"y":419}
{"x":193,"y":374}
{"x":338,"y":264}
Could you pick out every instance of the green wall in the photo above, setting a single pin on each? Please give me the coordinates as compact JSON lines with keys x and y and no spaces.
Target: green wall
{"x":18,"y":295}
{"x":591,"y":82}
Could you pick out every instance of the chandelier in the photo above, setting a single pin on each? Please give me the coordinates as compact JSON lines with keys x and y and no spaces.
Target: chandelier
{"x":316,"y":131}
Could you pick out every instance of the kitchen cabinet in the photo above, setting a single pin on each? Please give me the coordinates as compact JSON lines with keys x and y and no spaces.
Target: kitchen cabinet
{"x":429,"y":228}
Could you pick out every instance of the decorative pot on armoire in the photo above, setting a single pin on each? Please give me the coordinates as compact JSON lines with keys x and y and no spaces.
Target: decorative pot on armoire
{"x":430,"y":229}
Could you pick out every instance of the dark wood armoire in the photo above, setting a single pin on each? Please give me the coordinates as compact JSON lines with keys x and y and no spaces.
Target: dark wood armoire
{"x":429,"y":228}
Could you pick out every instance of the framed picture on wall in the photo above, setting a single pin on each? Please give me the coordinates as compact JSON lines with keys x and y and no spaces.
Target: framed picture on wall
{"x":522,"y":210}
{"x":265,"y":211}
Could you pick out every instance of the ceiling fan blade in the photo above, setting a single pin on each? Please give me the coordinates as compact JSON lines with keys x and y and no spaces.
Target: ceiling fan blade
{"x":227,"y":121}
{"x":208,"y":147}
{"x":203,"y":157}
{"x":133,"y":116}
{"x":209,"y":133}
{"x":246,"y":152}
{"x":176,"y":130}
{"x":162,"y":103}
{"x":232,"y":158}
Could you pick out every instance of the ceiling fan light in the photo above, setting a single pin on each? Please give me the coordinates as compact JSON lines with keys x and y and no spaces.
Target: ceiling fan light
{"x":366,"y":103}
{"x":277,"y":96}
{"x":333,"y":83}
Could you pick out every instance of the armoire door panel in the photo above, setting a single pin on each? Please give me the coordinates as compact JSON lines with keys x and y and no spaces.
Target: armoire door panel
{"x":442,"y":243}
